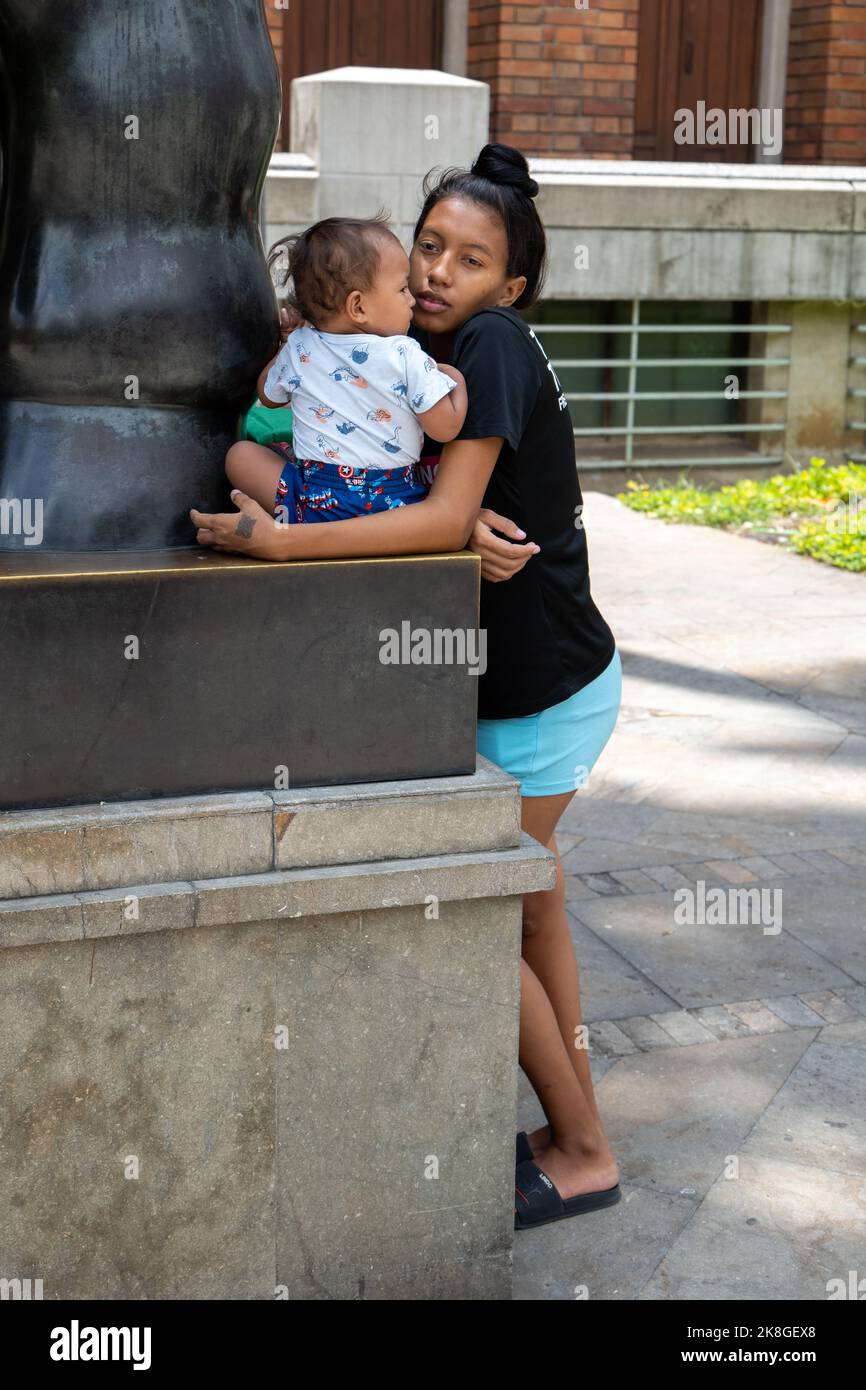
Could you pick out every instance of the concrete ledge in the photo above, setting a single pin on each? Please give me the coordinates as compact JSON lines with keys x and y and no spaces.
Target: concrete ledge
{"x":654,"y":230}
{"x":279,"y":895}
{"x":81,"y":849}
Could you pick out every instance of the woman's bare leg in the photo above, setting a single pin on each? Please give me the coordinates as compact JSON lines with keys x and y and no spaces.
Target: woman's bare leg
{"x":563,"y":1147}
{"x":578,"y":1157}
{"x":255,"y":470}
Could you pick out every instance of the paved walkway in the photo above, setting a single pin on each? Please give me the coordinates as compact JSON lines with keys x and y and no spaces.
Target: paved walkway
{"x":729,"y":1059}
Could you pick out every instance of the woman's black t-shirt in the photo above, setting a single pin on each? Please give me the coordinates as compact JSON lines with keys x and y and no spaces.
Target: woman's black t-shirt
{"x":545,"y":637}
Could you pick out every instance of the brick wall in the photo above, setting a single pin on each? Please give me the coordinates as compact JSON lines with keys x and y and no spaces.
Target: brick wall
{"x":276,"y":25}
{"x":276,"y":20}
{"x":825,"y":104}
{"x":562,"y":80}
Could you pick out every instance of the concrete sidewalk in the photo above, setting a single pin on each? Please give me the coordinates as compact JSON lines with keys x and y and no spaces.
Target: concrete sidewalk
{"x":730,"y":1060}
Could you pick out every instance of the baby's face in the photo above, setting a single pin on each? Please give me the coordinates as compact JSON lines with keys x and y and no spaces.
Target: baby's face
{"x":388,"y":305}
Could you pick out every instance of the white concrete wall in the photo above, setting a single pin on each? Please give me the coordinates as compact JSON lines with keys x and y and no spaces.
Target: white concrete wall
{"x":364,"y":137}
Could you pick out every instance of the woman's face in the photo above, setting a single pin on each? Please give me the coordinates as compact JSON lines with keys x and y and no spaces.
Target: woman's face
{"x":458,"y":265}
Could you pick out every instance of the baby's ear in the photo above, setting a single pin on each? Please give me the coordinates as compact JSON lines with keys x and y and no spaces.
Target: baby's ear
{"x":354,"y":307}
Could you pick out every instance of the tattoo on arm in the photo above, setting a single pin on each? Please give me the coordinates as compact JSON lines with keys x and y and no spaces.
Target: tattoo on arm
{"x":245,"y":526}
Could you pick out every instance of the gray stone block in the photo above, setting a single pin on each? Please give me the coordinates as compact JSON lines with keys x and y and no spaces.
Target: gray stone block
{"x":832,"y":1007}
{"x":81,"y":848}
{"x":705,"y":964}
{"x":720,"y":1021}
{"x":318,"y":1103}
{"x":402,"y":1042}
{"x":36,"y":920}
{"x":318,"y":892}
{"x":779,"y":1232}
{"x":672,"y":1115}
{"x":829,"y":1085}
{"x":127,"y":911}
{"x":683,"y":1028}
{"x":155,"y":1049}
{"x":793,"y":1011}
{"x":634,"y":880}
{"x":645,"y":1032}
{"x":762,"y":867}
{"x":395,"y":823}
{"x":757,"y":1018}
{"x":607,"y":1039}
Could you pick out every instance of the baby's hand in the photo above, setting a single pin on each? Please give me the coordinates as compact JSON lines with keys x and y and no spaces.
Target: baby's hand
{"x":290,"y":319}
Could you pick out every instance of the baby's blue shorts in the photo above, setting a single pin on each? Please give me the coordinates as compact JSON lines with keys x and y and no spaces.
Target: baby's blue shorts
{"x":312,"y":491}
{"x":555,"y":750}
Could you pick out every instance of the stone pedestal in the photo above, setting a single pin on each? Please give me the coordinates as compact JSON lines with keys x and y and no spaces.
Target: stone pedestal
{"x":264,"y":1045}
{"x":157,"y":675}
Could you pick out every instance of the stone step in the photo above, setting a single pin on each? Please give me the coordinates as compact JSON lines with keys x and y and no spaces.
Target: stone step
{"x":81,"y":849}
{"x":281,"y":895}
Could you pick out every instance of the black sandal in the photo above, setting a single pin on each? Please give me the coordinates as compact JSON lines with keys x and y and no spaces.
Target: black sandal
{"x":522,"y":1148}
{"x":537,"y":1202}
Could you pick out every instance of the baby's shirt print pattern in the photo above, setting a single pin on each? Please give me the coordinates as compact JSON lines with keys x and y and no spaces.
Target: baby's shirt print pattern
{"x":355,"y":397}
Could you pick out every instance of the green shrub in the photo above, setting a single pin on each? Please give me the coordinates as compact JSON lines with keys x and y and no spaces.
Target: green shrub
{"x":812,"y":510}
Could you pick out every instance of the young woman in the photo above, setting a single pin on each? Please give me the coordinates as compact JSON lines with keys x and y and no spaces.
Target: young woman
{"x":549,"y":698}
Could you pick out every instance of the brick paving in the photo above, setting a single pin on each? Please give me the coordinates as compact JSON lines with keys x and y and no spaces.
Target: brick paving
{"x":729,"y":1058}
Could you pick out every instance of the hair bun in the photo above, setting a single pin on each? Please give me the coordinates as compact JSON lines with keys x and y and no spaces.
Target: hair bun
{"x":503,"y":164}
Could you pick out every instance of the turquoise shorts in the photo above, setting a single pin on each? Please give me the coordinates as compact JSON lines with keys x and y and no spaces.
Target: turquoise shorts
{"x":555,"y":750}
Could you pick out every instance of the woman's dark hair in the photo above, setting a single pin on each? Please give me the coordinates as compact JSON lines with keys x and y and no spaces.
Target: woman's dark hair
{"x":500,"y":180}
{"x":329,"y":260}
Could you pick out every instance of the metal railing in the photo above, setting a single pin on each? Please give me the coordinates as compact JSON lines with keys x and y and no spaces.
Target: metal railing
{"x":635,"y":364}
{"x":857,"y":393}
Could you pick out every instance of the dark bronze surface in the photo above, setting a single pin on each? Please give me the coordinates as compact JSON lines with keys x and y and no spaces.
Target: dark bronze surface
{"x":130,"y":260}
{"x":242,"y":667}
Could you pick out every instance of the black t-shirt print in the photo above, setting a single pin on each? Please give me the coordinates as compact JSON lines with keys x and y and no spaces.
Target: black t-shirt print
{"x":545,"y":637}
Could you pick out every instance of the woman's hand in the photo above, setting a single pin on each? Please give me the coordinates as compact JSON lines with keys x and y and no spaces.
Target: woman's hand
{"x":248,"y":531}
{"x":500,"y":559}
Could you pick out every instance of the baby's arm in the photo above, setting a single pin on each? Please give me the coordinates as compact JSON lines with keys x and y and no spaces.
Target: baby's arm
{"x":444,"y":420}
{"x":288,"y":322}
{"x":260,"y":387}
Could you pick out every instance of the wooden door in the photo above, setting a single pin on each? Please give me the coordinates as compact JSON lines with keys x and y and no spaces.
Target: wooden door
{"x":691,"y":51}
{"x":357,"y":33}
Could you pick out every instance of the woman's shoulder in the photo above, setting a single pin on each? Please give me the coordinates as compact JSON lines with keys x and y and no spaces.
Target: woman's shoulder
{"x":495,"y":322}
{"x":497,"y":339}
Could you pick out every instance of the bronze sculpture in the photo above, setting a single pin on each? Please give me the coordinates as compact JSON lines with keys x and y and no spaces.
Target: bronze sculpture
{"x":136,"y":308}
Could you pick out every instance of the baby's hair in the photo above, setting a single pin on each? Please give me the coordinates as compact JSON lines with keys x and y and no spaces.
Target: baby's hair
{"x":500,"y":181}
{"x":329,"y":260}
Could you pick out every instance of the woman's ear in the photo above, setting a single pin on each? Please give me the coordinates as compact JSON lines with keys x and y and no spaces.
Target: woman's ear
{"x":513,"y":290}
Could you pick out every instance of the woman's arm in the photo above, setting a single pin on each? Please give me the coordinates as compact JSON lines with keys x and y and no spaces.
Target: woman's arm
{"x":442,"y":521}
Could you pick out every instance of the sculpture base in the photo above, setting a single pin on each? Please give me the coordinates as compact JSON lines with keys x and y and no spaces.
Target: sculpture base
{"x":265,"y":1046}
{"x":107,"y":479}
{"x":191,"y":672}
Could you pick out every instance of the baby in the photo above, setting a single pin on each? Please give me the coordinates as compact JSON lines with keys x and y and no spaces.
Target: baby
{"x":363,"y":393}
